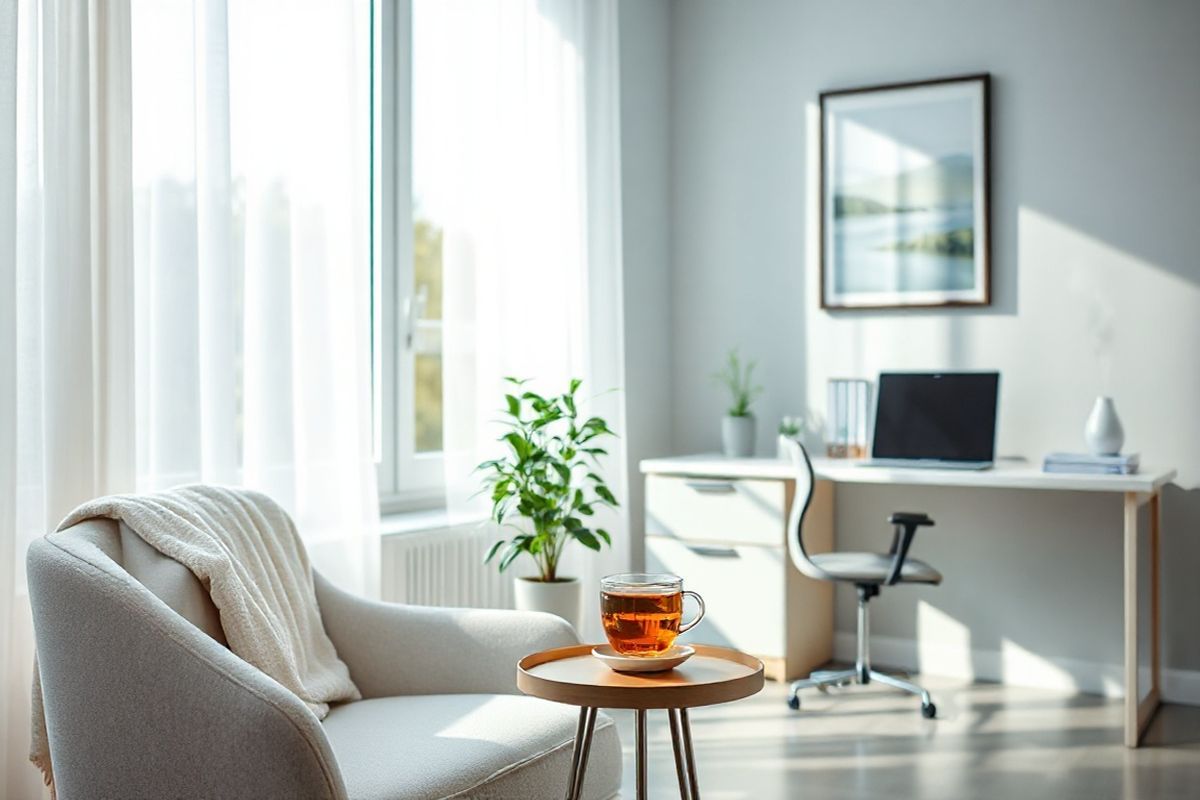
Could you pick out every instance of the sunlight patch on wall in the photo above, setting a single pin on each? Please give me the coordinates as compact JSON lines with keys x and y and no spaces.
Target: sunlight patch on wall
{"x":1102,"y":321}
{"x":1023,"y":667}
{"x":943,"y":643}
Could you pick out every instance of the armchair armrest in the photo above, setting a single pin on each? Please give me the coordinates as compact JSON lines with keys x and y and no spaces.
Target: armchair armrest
{"x":393,"y":649}
{"x":906,"y":524}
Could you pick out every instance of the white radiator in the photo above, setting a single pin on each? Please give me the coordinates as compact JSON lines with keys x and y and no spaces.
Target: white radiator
{"x":444,"y":567}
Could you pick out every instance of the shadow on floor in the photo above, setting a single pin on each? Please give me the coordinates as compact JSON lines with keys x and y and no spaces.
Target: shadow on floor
{"x":868,"y":742}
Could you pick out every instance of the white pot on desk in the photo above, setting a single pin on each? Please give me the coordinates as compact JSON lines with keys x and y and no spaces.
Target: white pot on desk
{"x":737,"y":436}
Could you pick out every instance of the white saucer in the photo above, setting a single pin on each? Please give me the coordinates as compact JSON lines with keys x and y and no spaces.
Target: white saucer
{"x":675,"y":656}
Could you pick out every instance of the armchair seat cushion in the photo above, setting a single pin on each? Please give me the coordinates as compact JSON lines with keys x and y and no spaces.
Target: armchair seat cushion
{"x":466,"y":746}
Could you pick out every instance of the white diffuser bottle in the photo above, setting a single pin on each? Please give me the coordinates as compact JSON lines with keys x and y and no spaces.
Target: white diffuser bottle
{"x":1103,"y":433}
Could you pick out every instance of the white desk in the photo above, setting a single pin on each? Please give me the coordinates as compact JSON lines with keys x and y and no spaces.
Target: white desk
{"x":1145,"y":487}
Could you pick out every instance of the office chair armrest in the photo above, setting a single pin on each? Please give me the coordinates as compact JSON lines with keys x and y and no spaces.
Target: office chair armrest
{"x":906,"y":524}
{"x":906,"y":517}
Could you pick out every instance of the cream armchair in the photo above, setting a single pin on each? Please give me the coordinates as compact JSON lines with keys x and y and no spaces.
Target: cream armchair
{"x":143,"y":700}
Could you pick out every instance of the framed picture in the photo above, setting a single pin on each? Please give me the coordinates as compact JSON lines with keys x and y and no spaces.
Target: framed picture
{"x":905,"y":195}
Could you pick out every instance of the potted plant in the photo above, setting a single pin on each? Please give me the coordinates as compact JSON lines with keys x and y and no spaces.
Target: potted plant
{"x":737,"y":429}
{"x":545,"y":489}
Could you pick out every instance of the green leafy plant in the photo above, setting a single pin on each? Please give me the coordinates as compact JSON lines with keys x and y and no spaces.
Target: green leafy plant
{"x":791,"y":426}
{"x":738,"y":379}
{"x":548,"y":478}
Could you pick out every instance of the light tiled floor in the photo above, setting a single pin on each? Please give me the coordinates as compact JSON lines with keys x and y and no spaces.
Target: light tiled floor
{"x":989,"y":742}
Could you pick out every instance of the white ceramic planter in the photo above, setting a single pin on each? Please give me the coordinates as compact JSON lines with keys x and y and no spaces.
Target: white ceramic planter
{"x":737,"y":436}
{"x":1104,"y":433}
{"x":562,"y":597}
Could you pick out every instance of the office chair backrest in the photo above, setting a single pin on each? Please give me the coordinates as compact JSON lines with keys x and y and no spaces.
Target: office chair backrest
{"x":805,"y":481}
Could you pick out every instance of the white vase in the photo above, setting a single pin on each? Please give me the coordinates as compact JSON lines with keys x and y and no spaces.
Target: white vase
{"x":1103,"y":433}
{"x":737,"y":436}
{"x":562,"y":597}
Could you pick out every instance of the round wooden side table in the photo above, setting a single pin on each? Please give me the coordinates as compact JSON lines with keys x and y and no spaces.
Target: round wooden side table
{"x":572,"y":675}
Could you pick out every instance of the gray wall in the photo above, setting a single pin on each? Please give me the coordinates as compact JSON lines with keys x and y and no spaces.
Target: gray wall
{"x":1096,"y":187}
{"x":645,"y":192}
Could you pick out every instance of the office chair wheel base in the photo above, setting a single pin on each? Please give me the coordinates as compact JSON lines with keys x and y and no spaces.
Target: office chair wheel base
{"x":794,"y":702}
{"x":928,"y":710}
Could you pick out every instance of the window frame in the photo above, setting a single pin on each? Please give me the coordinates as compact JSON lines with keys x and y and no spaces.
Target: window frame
{"x":408,"y":480}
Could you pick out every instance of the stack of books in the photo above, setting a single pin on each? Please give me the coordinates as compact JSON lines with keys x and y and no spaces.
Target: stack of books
{"x":1087,"y":464}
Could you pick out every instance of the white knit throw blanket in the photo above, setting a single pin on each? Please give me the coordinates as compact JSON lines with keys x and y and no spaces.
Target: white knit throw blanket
{"x":245,"y":551}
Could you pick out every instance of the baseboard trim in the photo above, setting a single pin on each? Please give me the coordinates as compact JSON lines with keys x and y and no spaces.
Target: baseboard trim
{"x":1181,"y":686}
{"x":1013,"y":666}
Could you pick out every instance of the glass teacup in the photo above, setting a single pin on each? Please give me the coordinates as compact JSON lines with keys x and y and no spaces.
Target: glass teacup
{"x":643,"y":613}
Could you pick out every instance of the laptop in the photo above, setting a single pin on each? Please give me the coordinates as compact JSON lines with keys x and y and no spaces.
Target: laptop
{"x":943,"y":420}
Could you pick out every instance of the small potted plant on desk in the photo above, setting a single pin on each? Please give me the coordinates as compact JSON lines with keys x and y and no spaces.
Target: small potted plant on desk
{"x":546,"y":488}
{"x":737,"y":428}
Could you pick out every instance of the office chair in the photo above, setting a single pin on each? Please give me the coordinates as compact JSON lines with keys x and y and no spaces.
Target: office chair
{"x":867,"y":571}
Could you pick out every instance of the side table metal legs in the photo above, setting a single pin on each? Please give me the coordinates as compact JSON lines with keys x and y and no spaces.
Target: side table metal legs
{"x":579,"y":756}
{"x":685,"y":758}
{"x":640,"y":741}
{"x":681,"y":741}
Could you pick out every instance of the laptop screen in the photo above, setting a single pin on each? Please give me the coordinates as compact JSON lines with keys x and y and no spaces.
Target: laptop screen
{"x":949,"y":416}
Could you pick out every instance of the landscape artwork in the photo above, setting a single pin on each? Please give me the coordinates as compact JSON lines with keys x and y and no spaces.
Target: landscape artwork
{"x":904,"y":195}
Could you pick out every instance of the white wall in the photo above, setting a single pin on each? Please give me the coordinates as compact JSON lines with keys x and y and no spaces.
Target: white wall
{"x":1096,"y":265}
{"x":645,"y":191}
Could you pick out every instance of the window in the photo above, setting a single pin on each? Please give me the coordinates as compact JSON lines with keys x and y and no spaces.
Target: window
{"x":407,"y":257}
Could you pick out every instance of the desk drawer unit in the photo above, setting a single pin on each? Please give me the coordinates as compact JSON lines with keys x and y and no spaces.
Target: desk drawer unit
{"x":726,"y":537}
{"x":738,"y":617}
{"x":716,"y":509}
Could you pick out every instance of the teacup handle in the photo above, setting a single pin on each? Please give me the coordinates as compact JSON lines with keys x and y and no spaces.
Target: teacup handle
{"x":700,"y":601}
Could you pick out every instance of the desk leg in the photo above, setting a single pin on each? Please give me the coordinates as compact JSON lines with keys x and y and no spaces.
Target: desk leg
{"x":1138,"y":711}
{"x":1155,"y":591}
{"x":579,"y":755}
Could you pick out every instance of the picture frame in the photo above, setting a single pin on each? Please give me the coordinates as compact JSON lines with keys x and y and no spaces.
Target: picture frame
{"x":905,"y":195}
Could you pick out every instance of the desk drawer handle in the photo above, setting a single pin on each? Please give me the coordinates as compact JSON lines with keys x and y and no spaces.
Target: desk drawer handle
{"x":711,"y":487}
{"x":713,"y":552}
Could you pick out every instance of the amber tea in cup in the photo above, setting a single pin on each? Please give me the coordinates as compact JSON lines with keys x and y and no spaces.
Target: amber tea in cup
{"x":642,"y":614}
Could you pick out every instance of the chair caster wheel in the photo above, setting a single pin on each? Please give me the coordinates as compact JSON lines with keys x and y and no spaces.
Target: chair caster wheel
{"x":928,"y":710}
{"x":794,"y":702}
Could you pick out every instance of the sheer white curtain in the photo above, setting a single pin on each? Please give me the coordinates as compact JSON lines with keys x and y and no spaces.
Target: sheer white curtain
{"x":63,"y":413}
{"x":251,"y":143}
{"x":196,"y":308}
{"x":516,"y":123}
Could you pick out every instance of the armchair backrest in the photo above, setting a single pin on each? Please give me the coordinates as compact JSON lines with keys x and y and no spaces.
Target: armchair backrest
{"x":167,"y":579}
{"x":141,"y":698}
